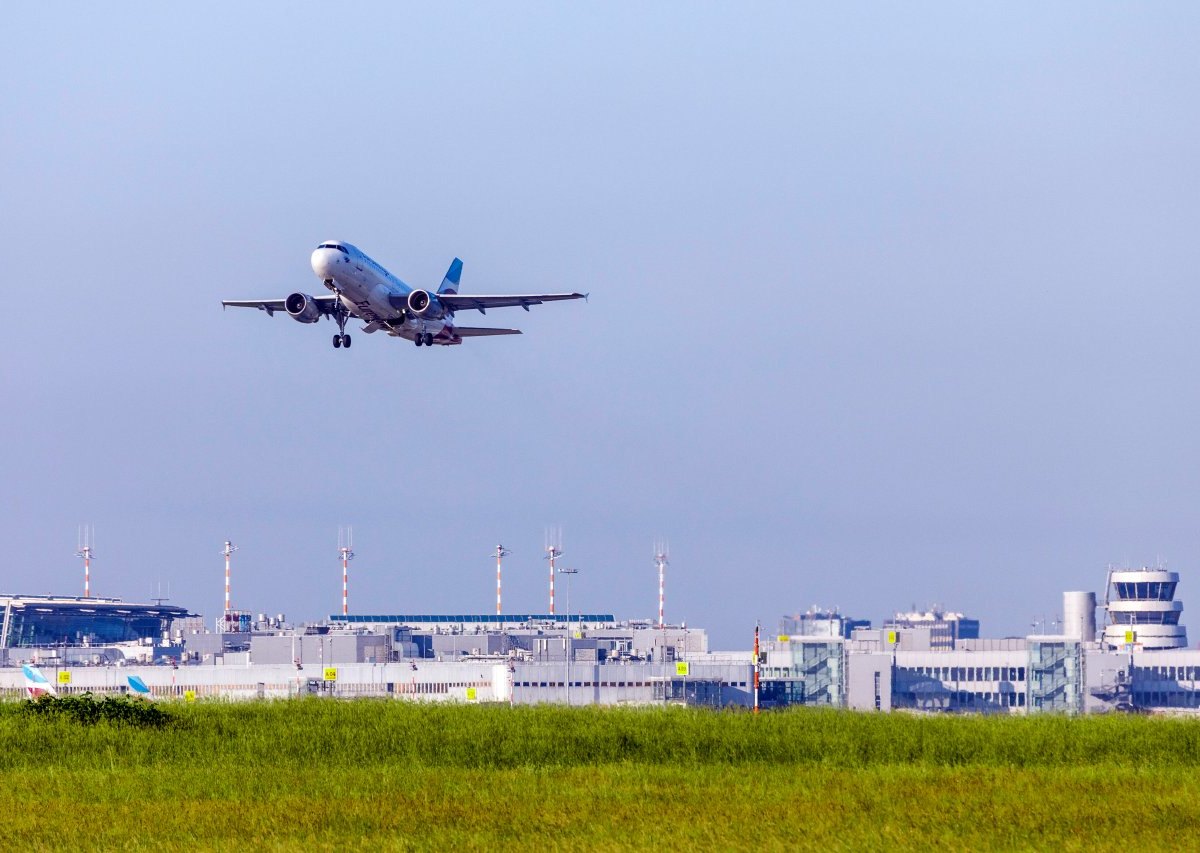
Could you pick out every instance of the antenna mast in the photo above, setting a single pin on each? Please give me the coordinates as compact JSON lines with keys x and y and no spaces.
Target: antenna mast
{"x":501,"y":552}
{"x":346,"y":549}
{"x":661,"y":552}
{"x":553,"y":552}
{"x":86,"y":541}
{"x":227,"y":551}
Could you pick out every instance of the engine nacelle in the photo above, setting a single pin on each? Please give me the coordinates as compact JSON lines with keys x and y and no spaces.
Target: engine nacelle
{"x":302,"y":307}
{"x":423,"y":304}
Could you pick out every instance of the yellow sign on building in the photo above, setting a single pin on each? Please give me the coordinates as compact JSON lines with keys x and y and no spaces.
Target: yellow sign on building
{"x":64,"y":676}
{"x":331,"y":673}
{"x":1130,"y":636}
{"x":681,"y":667}
{"x":784,"y":638}
{"x":891,"y":637}
{"x":189,"y":695}
{"x":470,"y":694}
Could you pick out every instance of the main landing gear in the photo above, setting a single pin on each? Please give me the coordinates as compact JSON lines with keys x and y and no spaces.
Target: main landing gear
{"x":341,"y":341}
{"x":425,"y":338}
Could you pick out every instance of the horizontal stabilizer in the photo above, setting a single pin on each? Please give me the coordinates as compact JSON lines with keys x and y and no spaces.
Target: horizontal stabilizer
{"x":476,"y":332}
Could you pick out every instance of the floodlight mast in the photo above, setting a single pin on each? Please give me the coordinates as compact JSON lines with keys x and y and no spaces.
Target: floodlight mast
{"x":500,"y":553}
{"x":86,"y":540}
{"x":346,"y":550}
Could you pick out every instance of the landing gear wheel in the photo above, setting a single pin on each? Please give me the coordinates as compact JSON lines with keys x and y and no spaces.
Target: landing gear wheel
{"x":418,"y":339}
{"x":337,"y":341}
{"x":346,"y":341}
{"x":428,"y":339}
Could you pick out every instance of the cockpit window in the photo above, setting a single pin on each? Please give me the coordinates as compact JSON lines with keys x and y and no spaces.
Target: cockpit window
{"x":341,"y":249}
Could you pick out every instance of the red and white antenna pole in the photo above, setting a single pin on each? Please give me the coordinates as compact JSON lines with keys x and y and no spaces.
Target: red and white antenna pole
{"x":227,"y":551}
{"x":501,"y":552}
{"x":346,"y":549}
{"x":553,"y":552}
{"x":660,"y":559}
{"x":756,"y":681}
{"x":86,"y":543}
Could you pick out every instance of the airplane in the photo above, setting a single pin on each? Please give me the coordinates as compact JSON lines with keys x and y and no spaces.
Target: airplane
{"x":362,"y":288}
{"x":36,"y":684}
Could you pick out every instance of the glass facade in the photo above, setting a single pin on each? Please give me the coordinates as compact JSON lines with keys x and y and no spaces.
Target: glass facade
{"x":814,"y":675}
{"x":49,"y":623}
{"x":1146,"y":590}
{"x":1056,"y":676}
{"x":1156,"y":617}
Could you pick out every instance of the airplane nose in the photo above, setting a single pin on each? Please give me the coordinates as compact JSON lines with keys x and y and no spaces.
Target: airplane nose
{"x":321,"y":263}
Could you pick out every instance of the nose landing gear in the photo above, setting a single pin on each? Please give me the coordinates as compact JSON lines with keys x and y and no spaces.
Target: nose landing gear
{"x":341,"y":339}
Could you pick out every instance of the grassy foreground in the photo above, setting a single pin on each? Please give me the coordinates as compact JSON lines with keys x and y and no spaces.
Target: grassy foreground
{"x":391,"y":775}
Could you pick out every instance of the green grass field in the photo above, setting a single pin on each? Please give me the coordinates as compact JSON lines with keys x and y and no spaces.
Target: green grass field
{"x":370,"y":775}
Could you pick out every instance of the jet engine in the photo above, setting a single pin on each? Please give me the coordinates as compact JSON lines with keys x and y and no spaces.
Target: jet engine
{"x":302,"y":307}
{"x":424,"y":305}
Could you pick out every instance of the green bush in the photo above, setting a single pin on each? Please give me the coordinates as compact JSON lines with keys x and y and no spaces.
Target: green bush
{"x":88,"y":710}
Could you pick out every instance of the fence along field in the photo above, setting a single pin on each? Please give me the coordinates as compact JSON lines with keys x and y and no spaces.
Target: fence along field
{"x":391,"y":774}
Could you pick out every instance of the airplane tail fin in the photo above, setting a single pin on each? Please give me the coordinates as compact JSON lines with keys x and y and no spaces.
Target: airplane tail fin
{"x":138,"y":688}
{"x":453,"y":275}
{"x":35,"y":683}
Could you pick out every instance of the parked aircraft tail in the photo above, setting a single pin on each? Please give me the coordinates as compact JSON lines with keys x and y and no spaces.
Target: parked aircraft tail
{"x":137,"y":687}
{"x":35,"y":683}
{"x":453,"y":276}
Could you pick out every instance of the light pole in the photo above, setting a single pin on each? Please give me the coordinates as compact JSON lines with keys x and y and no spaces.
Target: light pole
{"x":568,"y":573}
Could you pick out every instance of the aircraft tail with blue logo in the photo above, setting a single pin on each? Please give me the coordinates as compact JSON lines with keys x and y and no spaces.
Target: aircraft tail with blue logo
{"x":453,"y":277}
{"x":138,"y":688}
{"x":36,"y":684}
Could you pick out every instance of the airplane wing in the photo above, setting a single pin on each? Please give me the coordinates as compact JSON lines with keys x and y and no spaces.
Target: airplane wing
{"x":477,"y":332}
{"x":460,"y":301}
{"x":325,"y":303}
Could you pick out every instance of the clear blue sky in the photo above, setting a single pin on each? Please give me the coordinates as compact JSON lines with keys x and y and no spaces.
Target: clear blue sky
{"x":890,"y":304}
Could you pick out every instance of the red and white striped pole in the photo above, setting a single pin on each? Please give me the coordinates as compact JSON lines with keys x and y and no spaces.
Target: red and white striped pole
{"x":345,"y":585}
{"x":660,"y":557}
{"x":85,"y":551}
{"x":501,"y":551}
{"x":346,"y":549}
{"x":228,"y":551}
{"x":554,"y":554}
{"x":756,"y":682}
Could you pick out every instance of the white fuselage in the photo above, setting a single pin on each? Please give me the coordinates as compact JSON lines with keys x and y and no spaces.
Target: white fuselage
{"x":373,"y":294}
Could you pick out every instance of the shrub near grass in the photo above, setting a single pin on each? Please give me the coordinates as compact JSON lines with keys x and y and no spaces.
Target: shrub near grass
{"x":89,"y":710}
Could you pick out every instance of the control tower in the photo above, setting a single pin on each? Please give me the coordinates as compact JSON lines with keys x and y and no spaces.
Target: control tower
{"x":1142,"y":609}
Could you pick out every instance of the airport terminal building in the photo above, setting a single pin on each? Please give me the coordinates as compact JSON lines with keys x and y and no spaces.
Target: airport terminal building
{"x":35,"y":621}
{"x":925,"y":662}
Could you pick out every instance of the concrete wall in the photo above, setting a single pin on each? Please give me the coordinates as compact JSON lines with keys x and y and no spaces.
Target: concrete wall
{"x":864,"y":671}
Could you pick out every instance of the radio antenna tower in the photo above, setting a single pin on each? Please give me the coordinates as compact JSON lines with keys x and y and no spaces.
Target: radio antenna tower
{"x":346,"y":549}
{"x":553,"y":552}
{"x":661,"y":552}
{"x":500,"y":552}
{"x":227,"y":551}
{"x":86,"y":543}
